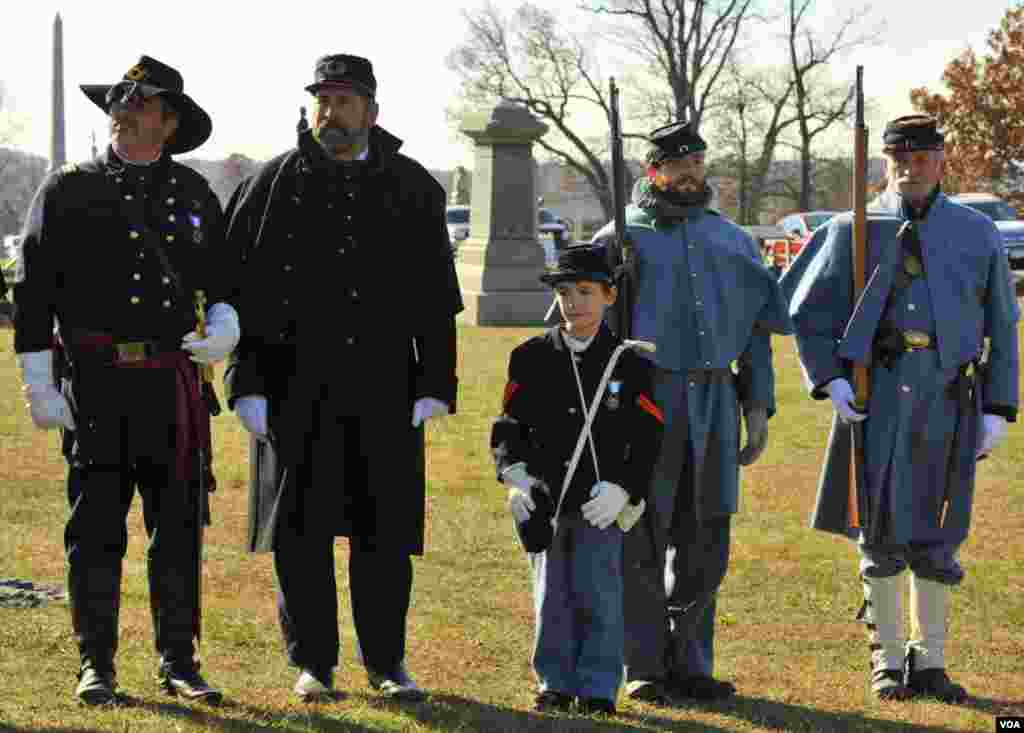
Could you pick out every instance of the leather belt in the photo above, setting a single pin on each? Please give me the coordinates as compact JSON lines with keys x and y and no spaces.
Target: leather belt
{"x":104,"y":348}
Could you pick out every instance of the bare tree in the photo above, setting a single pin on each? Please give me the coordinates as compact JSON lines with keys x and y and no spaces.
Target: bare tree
{"x":531,"y":60}
{"x":755,"y":113}
{"x":820,"y":104}
{"x":20,"y":173}
{"x":688,"y":44}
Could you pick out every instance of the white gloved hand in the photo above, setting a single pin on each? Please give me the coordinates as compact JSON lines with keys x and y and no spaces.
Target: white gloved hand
{"x":993,"y":431}
{"x":222,"y":334}
{"x":520,"y":483}
{"x":47,"y":406}
{"x":427,"y":408}
{"x":630,"y":515}
{"x":520,"y":503}
{"x":252,"y":412}
{"x":842,"y":399}
{"x":608,"y":500}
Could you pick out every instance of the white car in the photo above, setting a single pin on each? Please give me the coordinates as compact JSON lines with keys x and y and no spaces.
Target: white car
{"x":458,"y":223}
{"x":1005,"y":219}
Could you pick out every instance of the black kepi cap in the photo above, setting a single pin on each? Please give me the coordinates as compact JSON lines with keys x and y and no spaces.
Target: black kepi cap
{"x":346,"y":72}
{"x":912,"y":132}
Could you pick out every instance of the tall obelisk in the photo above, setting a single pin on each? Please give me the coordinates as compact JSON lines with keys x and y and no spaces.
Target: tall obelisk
{"x":57,"y":152}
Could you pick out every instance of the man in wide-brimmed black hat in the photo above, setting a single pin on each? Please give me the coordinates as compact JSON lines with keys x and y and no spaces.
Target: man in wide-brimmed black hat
{"x":126,"y":390}
{"x":351,"y":293}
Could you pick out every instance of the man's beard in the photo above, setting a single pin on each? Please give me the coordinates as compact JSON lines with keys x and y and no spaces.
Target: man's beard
{"x":333,"y":138}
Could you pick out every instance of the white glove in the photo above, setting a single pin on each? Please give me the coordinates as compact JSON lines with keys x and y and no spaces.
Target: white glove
{"x":993,"y":431}
{"x":426,"y":408}
{"x":252,"y":412}
{"x":519,"y":483}
{"x":842,"y":399}
{"x":222,"y":334}
{"x":608,"y":500}
{"x":630,"y":515}
{"x":47,"y":406}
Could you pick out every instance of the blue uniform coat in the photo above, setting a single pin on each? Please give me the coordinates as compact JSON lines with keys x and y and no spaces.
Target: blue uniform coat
{"x":912,"y":461}
{"x":706,"y":300}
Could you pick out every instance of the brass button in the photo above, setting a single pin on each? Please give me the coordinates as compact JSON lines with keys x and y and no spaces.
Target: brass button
{"x":119,"y":179}
{"x":285,"y":301}
{"x":287,"y":268}
{"x":350,"y":340}
{"x":133,"y":234}
{"x":167,"y":304}
{"x":128,"y":197}
{"x":170,"y":217}
{"x":170,"y":201}
{"x":291,"y":236}
{"x":905,"y":387}
{"x":174,"y":180}
{"x":911,"y":307}
{"x":166,"y":281}
{"x":169,"y":237}
{"x":572,"y":410}
{"x":136,"y":276}
{"x":135,"y":300}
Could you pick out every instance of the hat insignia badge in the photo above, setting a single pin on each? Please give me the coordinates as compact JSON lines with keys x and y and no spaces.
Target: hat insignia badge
{"x":136,"y":73}
{"x":335,"y":68}
{"x":613,"y":400}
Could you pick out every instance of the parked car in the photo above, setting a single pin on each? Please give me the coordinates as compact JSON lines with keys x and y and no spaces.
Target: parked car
{"x":1005,"y":218}
{"x":774,"y":244}
{"x":549,"y":224}
{"x":458,"y":223}
{"x":799,"y":226}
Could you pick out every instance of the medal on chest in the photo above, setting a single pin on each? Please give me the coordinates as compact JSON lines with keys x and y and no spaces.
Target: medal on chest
{"x":613,"y":399}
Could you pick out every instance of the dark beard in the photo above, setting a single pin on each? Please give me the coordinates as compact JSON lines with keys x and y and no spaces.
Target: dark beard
{"x":331,"y":138}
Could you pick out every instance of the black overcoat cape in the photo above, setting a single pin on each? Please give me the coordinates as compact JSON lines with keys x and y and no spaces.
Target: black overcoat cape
{"x":294,"y":333}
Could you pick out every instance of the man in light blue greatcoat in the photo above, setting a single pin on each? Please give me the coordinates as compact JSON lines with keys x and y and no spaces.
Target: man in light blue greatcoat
{"x":938,"y":286}
{"x":704,"y":297}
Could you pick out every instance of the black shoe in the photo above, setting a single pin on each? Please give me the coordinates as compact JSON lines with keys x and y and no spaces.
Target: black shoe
{"x":551,"y":701}
{"x":887,"y":684}
{"x":181,"y":677}
{"x":397,"y":684}
{"x":595,"y":706}
{"x":703,"y":688}
{"x":936,"y":683}
{"x":96,"y":684}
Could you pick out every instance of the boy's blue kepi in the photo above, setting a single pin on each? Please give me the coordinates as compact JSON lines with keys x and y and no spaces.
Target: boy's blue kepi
{"x":580,"y":262}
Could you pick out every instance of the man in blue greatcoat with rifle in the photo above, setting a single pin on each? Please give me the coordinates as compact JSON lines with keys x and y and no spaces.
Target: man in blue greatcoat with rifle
{"x":697,"y":289}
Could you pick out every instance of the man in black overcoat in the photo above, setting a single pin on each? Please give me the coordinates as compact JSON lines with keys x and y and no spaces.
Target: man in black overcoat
{"x":348,"y":285}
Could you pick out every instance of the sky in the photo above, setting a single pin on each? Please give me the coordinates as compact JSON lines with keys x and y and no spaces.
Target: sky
{"x":247,"y":66}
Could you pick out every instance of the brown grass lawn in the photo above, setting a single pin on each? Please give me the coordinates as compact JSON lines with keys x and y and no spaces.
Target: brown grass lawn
{"x":786,"y":632}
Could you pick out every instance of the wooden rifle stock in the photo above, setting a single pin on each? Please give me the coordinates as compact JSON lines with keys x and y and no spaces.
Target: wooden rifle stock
{"x":861,"y":385}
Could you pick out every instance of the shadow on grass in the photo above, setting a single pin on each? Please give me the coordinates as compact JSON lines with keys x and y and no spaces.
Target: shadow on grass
{"x":995,"y":707}
{"x":782,"y":716}
{"x":439,"y":712}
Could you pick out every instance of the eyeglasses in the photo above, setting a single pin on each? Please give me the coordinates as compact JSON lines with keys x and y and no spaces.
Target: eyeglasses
{"x":129,"y":95}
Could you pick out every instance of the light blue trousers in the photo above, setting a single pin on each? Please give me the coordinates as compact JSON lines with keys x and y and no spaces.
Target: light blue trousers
{"x":577,"y":591}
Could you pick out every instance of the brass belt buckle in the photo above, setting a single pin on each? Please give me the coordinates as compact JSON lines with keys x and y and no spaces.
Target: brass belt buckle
{"x":916,"y":340}
{"x":131,"y":352}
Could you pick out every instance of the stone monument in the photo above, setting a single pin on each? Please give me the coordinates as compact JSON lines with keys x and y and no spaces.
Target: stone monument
{"x":499,"y":263}
{"x":58,"y":155}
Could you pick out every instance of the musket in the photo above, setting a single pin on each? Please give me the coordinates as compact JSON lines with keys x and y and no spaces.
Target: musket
{"x":861,"y":383}
{"x":620,"y":253}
